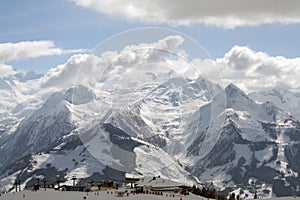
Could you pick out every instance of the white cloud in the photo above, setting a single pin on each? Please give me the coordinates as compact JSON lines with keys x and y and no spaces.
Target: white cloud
{"x":5,"y":70}
{"x":227,"y":14}
{"x":31,"y":49}
{"x":111,"y":66}
{"x":242,"y":66}
{"x":78,"y":69}
{"x":252,"y":70}
{"x":28,"y":49}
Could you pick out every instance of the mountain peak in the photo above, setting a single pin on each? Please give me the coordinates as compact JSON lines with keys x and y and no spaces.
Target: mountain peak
{"x":31,"y":75}
{"x":282,"y":98}
{"x":237,"y":99}
{"x":232,"y":89}
{"x":232,"y":92}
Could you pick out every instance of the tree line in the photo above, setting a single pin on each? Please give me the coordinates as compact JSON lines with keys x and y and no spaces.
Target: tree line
{"x":206,"y":192}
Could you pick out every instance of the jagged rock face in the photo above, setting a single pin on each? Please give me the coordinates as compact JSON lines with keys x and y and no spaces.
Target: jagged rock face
{"x":38,"y":131}
{"x":253,"y":148}
{"x":284,"y":99}
{"x":176,"y":130}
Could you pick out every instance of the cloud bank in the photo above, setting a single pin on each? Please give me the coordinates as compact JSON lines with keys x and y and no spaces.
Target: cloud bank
{"x":31,"y":49}
{"x":28,"y":49}
{"x":5,"y":70}
{"x":248,"y":69}
{"x":226,"y":14}
{"x":254,"y":71}
{"x":111,"y":66}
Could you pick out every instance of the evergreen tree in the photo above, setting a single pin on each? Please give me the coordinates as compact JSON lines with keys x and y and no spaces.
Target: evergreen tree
{"x":204,"y":192}
{"x":232,"y":196}
{"x":255,"y":195}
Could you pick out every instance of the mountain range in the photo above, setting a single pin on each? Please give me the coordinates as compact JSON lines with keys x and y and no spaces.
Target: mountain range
{"x":189,"y":130}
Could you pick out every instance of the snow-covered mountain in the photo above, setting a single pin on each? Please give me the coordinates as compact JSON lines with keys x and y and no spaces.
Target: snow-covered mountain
{"x":65,"y":135}
{"x":18,"y":98}
{"x":282,"y":98}
{"x":95,"y":118}
{"x":253,"y":148}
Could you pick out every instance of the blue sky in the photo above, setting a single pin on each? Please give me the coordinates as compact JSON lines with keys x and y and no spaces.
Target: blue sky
{"x":71,"y":26}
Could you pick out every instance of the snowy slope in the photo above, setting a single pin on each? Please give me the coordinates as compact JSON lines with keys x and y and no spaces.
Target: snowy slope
{"x":162,"y":116}
{"x":43,"y":126}
{"x":179,"y":129}
{"x":282,"y":98}
{"x":116,"y":154}
{"x":50,"y":194}
{"x":105,"y":116}
{"x":252,"y":141}
{"x":20,"y":95}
